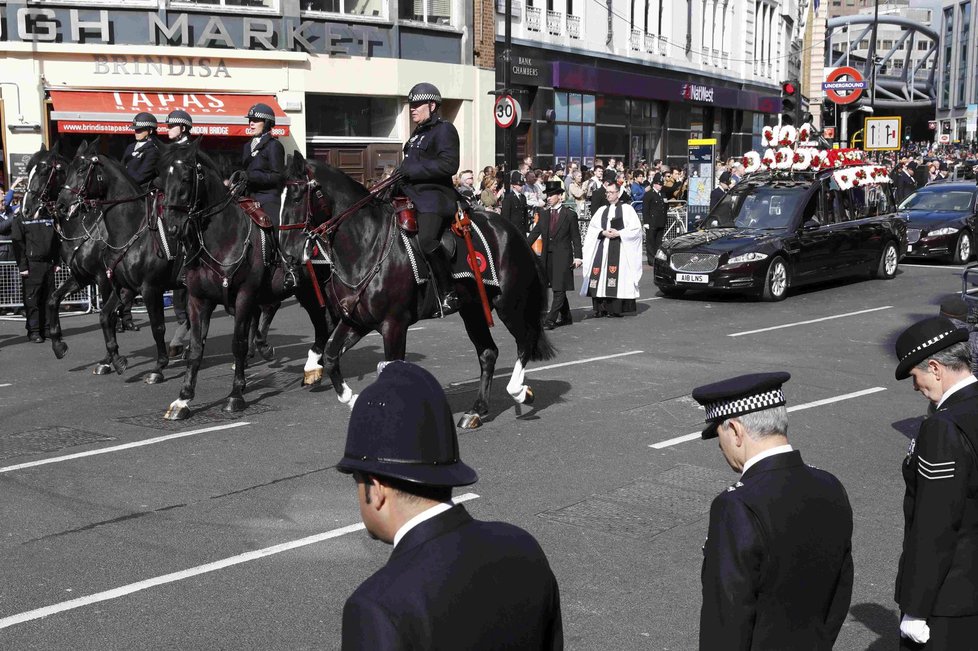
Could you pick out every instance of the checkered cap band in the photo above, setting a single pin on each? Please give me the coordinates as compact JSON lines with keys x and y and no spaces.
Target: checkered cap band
{"x":260,"y":115}
{"x":425,"y":97}
{"x":927,"y":344}
{"x":178,"y":120}
{"x":144,"y":124}
{"x":721,"y":410}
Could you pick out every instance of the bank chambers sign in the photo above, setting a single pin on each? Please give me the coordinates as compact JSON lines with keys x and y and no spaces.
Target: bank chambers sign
{"x":247,"y":32}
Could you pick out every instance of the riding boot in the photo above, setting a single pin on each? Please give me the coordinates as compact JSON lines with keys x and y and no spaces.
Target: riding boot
{"x":441,"y":273}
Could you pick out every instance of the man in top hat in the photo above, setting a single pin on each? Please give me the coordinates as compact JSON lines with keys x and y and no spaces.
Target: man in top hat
{"x":452,"y":582}
{"x":263,"y":160}
{"x":937,"y":582}
{"x":654,"y":216}
{"x":431,"y":159}
{"x":514,"y":203}
{"x":141,"y":155}
{"x":556,"y":225}
{"x":777,"y":563}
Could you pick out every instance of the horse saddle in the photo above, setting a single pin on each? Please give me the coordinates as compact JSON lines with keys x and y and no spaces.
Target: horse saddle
{"x":255,"y":212}
{"x":407,"y":218}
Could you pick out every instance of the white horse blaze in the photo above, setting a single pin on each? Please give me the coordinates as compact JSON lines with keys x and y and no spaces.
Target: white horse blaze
{"x":516,"y":388}
{"x":312,"y":362}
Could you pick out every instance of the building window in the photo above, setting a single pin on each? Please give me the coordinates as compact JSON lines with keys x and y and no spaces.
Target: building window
{"x":376,"y":8}
{"x":438,"y":12}
{"x":948,"y":49}
{"x":963,"y":37}
{"x":574,"y":127}
{"x":351,"y":116}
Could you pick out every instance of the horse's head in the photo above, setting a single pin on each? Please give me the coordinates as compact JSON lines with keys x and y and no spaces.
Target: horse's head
{"x":182,"y":180}
{"x":305,"y":202}
{"x":45,"y":176}
{"x":85,"y":179}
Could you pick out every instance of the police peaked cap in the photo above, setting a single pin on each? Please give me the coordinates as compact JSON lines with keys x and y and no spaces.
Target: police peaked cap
{"x":739,"y":395}
{"x":402,"y":427}
{"x":261,"y":112}
{"x":923,"y":339}
{"x":424,"y":92}
{"x":515,"y":178}
{"x":144,"y":121}
{"x":179,"y":117}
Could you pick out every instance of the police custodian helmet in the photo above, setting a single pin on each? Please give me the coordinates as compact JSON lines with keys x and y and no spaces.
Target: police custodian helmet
{"x":144,"y":121}
{"x":424,"y":92}
{"x":262,"y":112}
{"x":179,"y":117}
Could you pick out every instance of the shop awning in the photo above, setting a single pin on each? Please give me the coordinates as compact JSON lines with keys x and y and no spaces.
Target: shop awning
{"x":214,"y":114}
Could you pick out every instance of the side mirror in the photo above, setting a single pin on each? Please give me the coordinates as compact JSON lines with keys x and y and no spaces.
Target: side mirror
{"x":810,"y":225}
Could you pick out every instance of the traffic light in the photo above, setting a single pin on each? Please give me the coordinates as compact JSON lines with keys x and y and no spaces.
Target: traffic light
{"x":791,"y":103}
{"x":828,"y":113}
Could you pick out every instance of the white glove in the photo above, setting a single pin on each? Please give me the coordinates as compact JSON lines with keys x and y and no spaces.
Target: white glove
{"x":914,"y":628}
{"x":645,"y":226}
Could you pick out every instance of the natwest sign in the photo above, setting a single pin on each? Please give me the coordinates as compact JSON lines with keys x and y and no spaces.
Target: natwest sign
{"x":696,"y":93}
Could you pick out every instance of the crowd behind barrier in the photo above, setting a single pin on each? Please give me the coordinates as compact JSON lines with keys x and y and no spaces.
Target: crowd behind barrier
{"x":12,"y":297}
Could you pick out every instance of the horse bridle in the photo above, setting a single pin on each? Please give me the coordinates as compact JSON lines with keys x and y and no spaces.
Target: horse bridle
{"x":193,"y":212}
{"x":314,"y":192}
{"x":46,"y":188}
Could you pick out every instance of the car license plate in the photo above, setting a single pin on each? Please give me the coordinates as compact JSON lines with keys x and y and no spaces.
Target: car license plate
{"x":693,"y":278}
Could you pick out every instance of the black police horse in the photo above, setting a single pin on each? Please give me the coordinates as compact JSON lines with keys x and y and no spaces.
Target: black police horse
{"x":227,"y":264}
{"x":373,"y":284}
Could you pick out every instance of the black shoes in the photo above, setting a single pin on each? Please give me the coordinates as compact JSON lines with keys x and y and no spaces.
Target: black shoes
{"x":35,"y":338}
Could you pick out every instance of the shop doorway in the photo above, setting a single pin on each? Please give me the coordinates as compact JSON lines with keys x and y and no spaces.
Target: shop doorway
{"x":366,"y":164}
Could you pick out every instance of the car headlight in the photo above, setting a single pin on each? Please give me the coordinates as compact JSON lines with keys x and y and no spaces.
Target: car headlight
{"x":948,"y":230}
{"x":753,"y":256}
{"x":661,"y":255}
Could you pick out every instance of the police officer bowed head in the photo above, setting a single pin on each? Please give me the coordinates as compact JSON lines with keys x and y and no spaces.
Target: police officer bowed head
{"x":178,"y":125}
{"x":431,"y":159}
{"x":263,"y":159}
{"x":141,"y":155}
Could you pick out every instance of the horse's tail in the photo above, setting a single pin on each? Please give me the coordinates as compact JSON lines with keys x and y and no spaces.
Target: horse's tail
{"x":536,"y":345}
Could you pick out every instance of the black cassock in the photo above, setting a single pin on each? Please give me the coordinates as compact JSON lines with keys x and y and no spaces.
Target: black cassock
{"x":777,"y":563}
{"x":454,"y":582}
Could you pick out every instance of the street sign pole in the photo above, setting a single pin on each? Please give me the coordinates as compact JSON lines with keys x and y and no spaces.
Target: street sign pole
{"x":508,"y":154}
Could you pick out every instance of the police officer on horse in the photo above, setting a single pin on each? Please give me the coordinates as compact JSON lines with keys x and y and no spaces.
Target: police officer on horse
{"x":178,"y":124}
{"x":263,"y":160}
{"x":431,"y":159}
{"x":141,"y":155}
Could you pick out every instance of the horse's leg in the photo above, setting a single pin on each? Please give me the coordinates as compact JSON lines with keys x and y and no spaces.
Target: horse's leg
{"x":153,"y":300}
{"x":268,"y":312}
{"x":344,"y":338}
{"x":69,"y":286}
{"x":246,"y":315}
{"x":312,"y":373}
{"x":485,"y":348}
{"x":199,"y":312}
{"x":107,"y":319}
{"x":511,"y":317}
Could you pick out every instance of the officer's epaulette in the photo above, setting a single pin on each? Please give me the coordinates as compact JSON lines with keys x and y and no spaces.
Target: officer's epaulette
{"x":730,"y":489}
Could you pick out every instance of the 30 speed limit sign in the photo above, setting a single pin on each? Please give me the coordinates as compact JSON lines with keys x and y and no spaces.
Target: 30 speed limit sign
{"x":507,"y":112}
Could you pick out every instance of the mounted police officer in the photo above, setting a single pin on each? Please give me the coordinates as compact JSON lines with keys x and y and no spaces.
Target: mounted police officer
{"x":178,"y":124}
{"x":263,"y":160}
{"x":141,"y":155}
{"x":431,"y":158}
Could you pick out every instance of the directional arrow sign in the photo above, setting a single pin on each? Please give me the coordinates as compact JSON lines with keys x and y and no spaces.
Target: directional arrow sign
{"x":883,"y":133}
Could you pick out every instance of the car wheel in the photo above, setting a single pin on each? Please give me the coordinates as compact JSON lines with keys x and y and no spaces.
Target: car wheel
{"x":962,"y":250}
{"x":889,"y":260}
{"x":672,"y":292}
{"x":776,"y":281}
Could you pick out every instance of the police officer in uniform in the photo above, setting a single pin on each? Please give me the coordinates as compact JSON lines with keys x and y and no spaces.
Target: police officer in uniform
{"x":178,"y":125}
{"x":35,"y":247}
{"x":514,"y":203}
{"x":141,"y":155}
{"x":451,"y":582}
{"x":937,"y":582}
{"x":431,"y":159}
{"x":263,"y":160}
{"x":654,"y":214}
{"x":777,"y":563}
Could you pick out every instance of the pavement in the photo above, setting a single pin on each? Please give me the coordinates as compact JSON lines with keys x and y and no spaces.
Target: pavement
{"x":119,"y":530}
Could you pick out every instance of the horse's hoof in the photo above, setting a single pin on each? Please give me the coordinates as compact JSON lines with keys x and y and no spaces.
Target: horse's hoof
{"x":470,"y":420}
{"x":528,"y":399}
{"x":121,"y":364}
{"x":267,"y":352}
{"x":177,"y":410}
{"x":153,"y":378}
{"x":174,"y":352}
{"x":102,"y":369}
{"x":309,"y":378}
{"x":234,"y":404}
{"x":60,"y":349}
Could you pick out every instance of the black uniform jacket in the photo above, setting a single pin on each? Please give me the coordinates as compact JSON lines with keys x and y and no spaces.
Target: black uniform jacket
{"x":456,"y":583}
{"x":34,"y":239}
{"x":265,"y":166}
{"x":654,"y":209}
{"x":560,"y":250}
{"x":938,"y":572}
{"x":431,"y":158}
{"x":514,"y":210}
{"x":777,"y":565}
{"x":141,"y":164}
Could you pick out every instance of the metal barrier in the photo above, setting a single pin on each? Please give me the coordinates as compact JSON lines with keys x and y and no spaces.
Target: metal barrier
{"x":12,"y":294}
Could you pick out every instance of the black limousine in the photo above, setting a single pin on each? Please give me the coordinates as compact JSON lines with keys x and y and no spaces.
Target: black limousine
{"x":773,"y":231}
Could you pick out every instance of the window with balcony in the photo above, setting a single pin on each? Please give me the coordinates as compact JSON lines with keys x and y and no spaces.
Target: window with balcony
{"x":375,"y":8}
{"x":438,"y":12}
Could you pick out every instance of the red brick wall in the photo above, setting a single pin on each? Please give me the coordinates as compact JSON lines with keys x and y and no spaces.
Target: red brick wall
{"x":484,"y":34}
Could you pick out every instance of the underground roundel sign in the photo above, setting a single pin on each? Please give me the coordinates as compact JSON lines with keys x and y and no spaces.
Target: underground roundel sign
{"x":847,"y":80}
{"x":507,"y":112}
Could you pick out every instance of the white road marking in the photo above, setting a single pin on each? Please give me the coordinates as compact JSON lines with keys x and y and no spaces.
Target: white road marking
{"x":798,"y":323}
{"x":562,"y":364}
{"x":807,"y":405}
{"x":122,"y":591}
{"x":646,"y":300}
{"x":930,"y":266}
{"x":8,"y":384}
{"x":125,"y":446}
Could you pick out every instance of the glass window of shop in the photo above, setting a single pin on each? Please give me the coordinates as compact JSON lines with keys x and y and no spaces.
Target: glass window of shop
{"x":948,"y":48}
{"x":963,"y":47}
{"x":574,"y":127}
{"x":376,"y":8}
{"x":605,"y":127}
{"x":351,"y":116}
{"x":438,"y":12}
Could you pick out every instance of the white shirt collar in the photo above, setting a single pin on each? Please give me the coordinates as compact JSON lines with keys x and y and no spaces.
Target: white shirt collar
{"x":971,"y":379}
{"x":427,"y":514}
{"x":781,"y":449}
